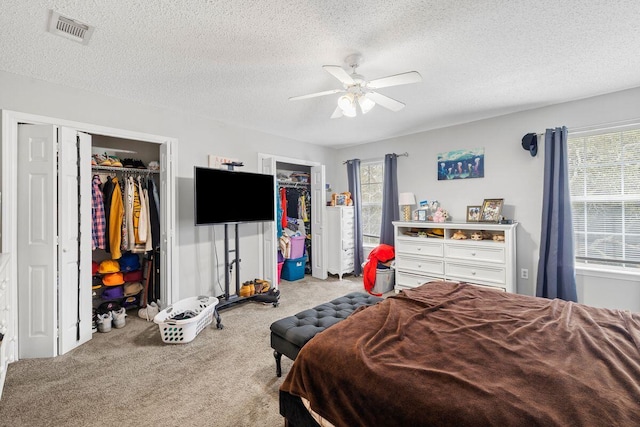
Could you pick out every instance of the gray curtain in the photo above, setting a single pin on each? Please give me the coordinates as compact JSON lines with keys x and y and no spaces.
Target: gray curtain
{"x":556,"y":273}
{"x":390,"y":208}
{"x":353,"y":175}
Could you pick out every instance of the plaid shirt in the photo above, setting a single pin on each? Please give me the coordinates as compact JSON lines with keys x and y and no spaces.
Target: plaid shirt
{"x":98,"y":222}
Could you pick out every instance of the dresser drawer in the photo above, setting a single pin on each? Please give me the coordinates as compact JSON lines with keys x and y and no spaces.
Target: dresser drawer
{"x":472,"y":273}
{"x":474,"y":252}
{"x":347,"y":214}
{"x":421,"y":264}
{"x":409,"y":280}
{"x":419,"y":247}
{"x":348,"y":243}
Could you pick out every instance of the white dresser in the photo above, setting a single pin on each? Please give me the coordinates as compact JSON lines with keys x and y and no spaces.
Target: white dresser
{"x":422,"y":256}
{"x":6,"y":347}
{"x":340,"y":239}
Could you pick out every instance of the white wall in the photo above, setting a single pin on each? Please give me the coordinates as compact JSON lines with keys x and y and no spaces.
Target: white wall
{"x":197,"y":137}
{"x":510,"y":173}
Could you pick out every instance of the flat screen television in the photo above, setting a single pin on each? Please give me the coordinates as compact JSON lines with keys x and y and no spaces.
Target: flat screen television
{"x":224,"y":196}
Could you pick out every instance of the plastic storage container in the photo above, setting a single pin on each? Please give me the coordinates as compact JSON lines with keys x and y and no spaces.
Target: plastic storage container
{"x":183,"y":331}
{"x":297,"y":247}
{"x":385,"y":280}
{"x":293,"y":269}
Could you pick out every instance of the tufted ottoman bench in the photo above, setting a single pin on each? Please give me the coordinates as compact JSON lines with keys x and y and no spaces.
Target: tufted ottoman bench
{"x":290,"y":334}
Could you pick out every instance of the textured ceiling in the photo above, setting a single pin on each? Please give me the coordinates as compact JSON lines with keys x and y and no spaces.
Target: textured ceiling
{"x":239,"y":61}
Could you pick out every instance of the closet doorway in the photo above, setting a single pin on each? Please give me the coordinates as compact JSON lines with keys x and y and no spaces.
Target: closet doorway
{"x":270,"y":164}
{"x":15,"y":211}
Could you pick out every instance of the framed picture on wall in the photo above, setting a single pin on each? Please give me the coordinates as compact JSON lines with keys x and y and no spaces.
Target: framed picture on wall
{"x":473,"y":213}
{"x":491,"y":210}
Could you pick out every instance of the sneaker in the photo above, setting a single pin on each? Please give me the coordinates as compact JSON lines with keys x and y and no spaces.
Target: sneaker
{"x":104,"y":322}
{"x":149,"y":312}
{"x":115,"y":161}
{"x":128,"y":163}
{"x":119,"y":318}
{"x":100,"y":160}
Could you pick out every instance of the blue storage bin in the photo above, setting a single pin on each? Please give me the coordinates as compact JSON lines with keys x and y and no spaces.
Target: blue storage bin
{"x":293,"y":269}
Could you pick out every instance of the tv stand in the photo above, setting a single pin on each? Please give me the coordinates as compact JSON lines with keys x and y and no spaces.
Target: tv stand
{"x":228,"y":299}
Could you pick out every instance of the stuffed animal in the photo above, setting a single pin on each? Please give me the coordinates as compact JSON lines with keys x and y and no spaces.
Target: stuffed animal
{"x":440,"y":215}
{"x":459,"y":235}
{"x":476,"y":235}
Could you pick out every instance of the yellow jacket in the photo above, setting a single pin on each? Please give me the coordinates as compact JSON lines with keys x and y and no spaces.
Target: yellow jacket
{"x":115,"y":221}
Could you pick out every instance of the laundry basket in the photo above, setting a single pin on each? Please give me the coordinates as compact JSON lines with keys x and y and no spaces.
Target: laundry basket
{"x":180,"y":331}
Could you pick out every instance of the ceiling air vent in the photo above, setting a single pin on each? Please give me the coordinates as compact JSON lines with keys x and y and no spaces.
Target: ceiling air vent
{"x":70,"y":28}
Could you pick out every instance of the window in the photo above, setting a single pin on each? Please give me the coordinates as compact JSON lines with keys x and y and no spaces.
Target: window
{"x":371,"y":175}
{"x":604,"y":180}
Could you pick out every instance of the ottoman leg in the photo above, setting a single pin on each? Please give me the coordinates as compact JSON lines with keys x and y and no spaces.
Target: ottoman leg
{"x":278,"y":357}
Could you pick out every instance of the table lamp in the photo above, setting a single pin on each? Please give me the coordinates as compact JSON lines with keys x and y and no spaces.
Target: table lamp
{"x":406,"y":200}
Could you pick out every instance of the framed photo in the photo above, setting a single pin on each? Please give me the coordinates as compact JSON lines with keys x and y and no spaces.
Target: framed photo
{"x":422,"y":215}
{"x":491,"y":210}
{"x":473,"y":213}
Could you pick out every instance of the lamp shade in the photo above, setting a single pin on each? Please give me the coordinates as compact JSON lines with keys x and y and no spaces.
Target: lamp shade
{"x":406,"y":199}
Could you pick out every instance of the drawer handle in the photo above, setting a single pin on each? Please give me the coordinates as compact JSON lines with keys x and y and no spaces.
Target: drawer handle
{"x":419,"y":249}
{"x":473,"y":254}
{"x":473,"y":272}
{"x":419,"y":265}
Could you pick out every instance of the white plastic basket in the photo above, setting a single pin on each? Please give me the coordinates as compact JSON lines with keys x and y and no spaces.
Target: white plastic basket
{"x":185,"y":330}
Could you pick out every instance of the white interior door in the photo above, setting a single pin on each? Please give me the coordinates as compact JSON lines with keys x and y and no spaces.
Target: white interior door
{"x":319,"y":249}
{"x":168,"y":272}
{"x":74,"y":231}
{"x":269,"y":247}
{"x":36,"y":235}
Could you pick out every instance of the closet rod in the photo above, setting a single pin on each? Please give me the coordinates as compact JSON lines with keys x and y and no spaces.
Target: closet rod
{"x":292,"y":184}
{"x":123,"y":170}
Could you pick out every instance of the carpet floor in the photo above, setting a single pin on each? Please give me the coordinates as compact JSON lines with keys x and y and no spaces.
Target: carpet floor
{"x":129,"y":377}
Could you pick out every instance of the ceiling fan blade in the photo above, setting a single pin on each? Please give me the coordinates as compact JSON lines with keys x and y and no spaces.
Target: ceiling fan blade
{"x":385,"y":101}
{"x":313,"y":95}
{"x":339,"y":73}
{"x":396,"y":80}
{"x":337,"y":113}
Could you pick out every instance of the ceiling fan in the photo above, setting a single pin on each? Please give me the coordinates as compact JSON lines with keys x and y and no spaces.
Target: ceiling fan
{"x":358,"y":92}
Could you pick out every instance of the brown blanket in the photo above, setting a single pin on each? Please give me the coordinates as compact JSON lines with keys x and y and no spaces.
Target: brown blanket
{"x":460,"y":355}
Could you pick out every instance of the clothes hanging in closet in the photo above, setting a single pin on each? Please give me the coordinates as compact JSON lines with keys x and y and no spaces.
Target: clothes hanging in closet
{"x":154,"y":214}
{"x":107,"y":194}
{"x":98,"y":222}
{"x":283,"y":206}
{"x":116,"y":215}
{"x":122,"y":202}
{"x":298,"y":205}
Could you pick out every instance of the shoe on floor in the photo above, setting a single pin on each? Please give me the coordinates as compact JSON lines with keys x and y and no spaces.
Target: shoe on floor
{"x":149,"y":312}
{"x":119,"y":318}
{"x":104,"y":322}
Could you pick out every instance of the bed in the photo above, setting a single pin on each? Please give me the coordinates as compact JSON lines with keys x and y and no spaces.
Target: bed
{"x":461,"y":355}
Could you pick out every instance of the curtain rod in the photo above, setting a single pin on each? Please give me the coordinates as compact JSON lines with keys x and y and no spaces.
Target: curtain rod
{"x":405,"y":154}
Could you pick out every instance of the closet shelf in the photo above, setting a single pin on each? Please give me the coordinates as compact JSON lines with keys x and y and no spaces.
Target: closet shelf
{"x":122,"y":169}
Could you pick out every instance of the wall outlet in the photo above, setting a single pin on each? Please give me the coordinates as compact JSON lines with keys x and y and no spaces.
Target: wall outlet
{"x":524,"y":273}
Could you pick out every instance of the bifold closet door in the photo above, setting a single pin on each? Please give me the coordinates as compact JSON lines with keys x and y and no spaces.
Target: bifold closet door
{"x":74,"y":244}
{"x":54,"y":232}
{"x":319,"y":249}
{"x":269,"y":244}
{"x":37,"y":234}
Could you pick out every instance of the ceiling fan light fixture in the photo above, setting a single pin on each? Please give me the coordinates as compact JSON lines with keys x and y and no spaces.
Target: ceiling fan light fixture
{"x":365,"y":104}
{"x":345,"y":102}
{"x":351,"y":112}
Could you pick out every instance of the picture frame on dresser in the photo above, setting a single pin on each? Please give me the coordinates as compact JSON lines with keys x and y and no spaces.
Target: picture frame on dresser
{"x":491,"y":210}
{"x":473,"y":213}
